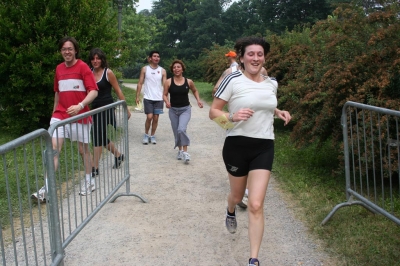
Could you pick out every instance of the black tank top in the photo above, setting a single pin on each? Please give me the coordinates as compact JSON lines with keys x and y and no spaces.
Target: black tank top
{"x":179,"y":94}
{"x":104,"y":96}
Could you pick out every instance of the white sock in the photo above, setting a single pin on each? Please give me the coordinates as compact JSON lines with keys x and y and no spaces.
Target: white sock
{"x":88,"y":176}
{"x":246,"y":192}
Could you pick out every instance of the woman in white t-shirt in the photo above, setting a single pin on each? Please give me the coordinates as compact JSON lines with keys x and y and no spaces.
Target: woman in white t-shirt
{"x":248,"y":150}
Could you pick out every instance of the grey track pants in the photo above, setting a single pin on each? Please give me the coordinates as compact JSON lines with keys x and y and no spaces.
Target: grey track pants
{"x":180,"y":117}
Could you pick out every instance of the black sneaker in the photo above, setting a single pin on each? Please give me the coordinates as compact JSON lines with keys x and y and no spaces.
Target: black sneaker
{"x":118,"y":161}
{"x":95,"y":172}
{"x":254,"y":262}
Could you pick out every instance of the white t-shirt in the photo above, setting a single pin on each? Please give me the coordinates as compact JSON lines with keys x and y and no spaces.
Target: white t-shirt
{"x":234,"y":64}
{"x":153,"y":89}
{"x":241,"y":92}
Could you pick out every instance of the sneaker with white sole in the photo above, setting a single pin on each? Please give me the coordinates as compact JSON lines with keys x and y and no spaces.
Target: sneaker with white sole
{"x":145,"y":140}
{"x":180,"y":155}
{"x":231,"y":223}
{"x":118,"y":161}
{"x":254,"y":262}
{"x":186,"y":157}
{"x":243,"y":203}
{"x":153,"y":139}
{"x":40,"y":195}
{"x":87,"y":187}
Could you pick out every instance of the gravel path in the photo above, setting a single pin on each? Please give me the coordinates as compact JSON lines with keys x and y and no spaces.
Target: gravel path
{"x":183,"y":221}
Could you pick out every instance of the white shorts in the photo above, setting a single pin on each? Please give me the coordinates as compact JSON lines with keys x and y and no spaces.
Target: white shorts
{"x":74,"y":132}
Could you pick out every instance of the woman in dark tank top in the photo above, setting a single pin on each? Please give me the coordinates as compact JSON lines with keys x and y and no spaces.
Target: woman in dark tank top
{"x":106,"y":81}
{"x":179,"y":106}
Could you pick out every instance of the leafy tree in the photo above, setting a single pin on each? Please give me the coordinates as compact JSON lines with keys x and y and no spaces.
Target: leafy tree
{"x":279,"y":15}
{"x":174,"y":16}
{"x":138,"y":32}
{"x":29,"y":35}
{"x":204,"y":28}
{"x":242,"y":19}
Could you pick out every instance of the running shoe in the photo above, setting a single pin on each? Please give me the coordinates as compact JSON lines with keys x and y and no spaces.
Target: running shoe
{"x":87,"y":188}
{"x":254,"y":262}
{"x":118,"y":161}
{"x":231,"y":223}
{"x":243,"y":203}
{"x":180,"y":155}
{"x":95,"y":172}
{"x":145,"y":140}
{"x":186,"y":157}
{"x":153,"y":139}
{"x":40,"y":195}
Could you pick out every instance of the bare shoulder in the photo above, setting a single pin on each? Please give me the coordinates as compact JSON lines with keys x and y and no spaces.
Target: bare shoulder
{"x":109,"y":71}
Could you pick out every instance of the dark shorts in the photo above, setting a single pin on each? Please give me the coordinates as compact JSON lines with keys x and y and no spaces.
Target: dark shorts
{"x":153,"y":107}
{"x":100,"y":124}
{"x":243,"y":154}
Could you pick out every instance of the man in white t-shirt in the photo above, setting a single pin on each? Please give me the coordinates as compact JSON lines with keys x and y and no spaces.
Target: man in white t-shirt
{"x":152,"y":78}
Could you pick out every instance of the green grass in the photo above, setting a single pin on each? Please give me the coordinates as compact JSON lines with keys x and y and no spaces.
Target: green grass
{"x":134,"y":81}
{"x":22,"y":173}
{"x":130,"y":95}
{"x":205,"y":90}
{"x":353,"y":235}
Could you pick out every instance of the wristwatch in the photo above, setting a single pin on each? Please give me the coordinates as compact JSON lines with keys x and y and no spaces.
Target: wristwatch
{"x":231,"y":117}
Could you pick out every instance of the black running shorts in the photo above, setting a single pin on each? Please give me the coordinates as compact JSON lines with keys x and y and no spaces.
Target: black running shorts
{"x":243,"y":154}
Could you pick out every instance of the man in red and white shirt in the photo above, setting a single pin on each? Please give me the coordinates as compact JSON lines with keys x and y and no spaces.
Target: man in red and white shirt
{"x":75,"y":88}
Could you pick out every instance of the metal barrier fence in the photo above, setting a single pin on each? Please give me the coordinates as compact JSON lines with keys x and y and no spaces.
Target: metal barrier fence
{"x":371,"y":140}
{"x":37,"y":231}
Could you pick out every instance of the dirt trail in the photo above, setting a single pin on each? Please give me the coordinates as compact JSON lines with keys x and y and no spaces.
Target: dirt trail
{"x":183,"y":221}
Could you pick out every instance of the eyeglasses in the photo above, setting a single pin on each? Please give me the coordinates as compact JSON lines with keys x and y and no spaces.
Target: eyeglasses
{"x":69,"y":49}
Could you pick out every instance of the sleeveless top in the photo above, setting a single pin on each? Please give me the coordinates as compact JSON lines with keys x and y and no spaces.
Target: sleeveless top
{"x":179,"y":94}
{"x":153,"y":89}
{"x":104,"y":96}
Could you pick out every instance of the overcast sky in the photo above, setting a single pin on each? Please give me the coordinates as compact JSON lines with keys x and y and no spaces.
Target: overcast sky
{"x":146,"y":4}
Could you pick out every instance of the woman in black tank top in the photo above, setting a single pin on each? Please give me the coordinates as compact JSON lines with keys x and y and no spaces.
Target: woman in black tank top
{"x":179,"y":106}
{"x":106,"y":81}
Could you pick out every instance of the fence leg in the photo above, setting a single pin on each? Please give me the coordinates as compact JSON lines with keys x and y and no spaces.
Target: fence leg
{"x":345,"y":204}
{"x":128,"y":193}
{"x":57,"y":252}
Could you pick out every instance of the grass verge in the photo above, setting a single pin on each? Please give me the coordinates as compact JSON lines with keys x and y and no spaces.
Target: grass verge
{"x":313,"y":185}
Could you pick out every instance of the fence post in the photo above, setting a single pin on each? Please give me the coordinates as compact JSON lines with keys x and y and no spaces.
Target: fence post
{"x":57,"y":252}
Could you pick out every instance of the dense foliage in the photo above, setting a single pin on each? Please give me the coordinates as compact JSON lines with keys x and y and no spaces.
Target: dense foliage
{"x":351,"y":56}
{"x":321,"y":57}
{"x":29,"y":35}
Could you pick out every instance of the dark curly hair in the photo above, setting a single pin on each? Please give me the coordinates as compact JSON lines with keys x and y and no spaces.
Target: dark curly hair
{"x":242,"y":43}
{"x":179,"y":62}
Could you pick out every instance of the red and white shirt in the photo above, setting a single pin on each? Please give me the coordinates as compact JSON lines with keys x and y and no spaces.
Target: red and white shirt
{"x":73,"y":84}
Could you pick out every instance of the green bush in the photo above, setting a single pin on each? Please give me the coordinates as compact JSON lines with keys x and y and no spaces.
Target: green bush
{"x":29,"y":35}
{"x":350,"y":56}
